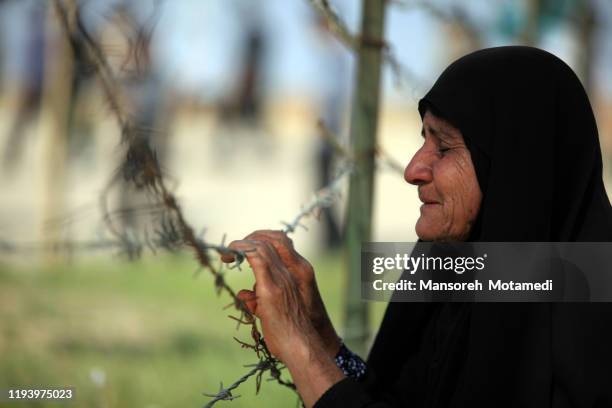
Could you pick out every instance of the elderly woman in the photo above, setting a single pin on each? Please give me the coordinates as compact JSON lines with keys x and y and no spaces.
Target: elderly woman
{"x":510,"y":153}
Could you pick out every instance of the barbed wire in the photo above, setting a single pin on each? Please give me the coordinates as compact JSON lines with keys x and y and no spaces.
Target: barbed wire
{"x":225,"y":394}
{"x":166,"y":237}
{"x":453,"y":15}
{"x":142,"y":170}
{"x":402,"y":74}
{"x":383,"y":158}
{"x":323,"y":198}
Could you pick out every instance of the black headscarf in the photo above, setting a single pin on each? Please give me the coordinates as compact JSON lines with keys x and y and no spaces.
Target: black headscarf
{"x":532,"y":136}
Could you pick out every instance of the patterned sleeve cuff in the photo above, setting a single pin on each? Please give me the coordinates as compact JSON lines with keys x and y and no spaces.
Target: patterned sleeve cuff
{"x":350,"y":363}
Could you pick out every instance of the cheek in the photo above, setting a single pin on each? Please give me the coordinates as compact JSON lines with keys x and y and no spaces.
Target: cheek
{"x":472,"y":196}
{"x":449,"y":182}
{"x":456,"y":183}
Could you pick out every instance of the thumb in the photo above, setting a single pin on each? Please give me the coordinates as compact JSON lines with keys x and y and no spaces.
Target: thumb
{"x":249,"y":298}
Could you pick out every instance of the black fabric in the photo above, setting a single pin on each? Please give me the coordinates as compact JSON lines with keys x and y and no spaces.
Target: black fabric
{"x":533,"y":139}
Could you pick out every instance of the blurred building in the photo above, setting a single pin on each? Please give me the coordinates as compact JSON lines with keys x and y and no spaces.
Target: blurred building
{"x":271,"y":73}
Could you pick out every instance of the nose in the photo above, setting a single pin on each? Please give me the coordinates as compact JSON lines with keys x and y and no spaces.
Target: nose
{"x":418,"y":171}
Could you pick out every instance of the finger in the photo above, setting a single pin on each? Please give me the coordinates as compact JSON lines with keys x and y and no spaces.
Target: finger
{"x":269,"y":235}
{"x":270,"y":272}
{"x":281,"y":243}
{"x":256,"y":257}
{"x":249,"y":298}
{"x":273,"y":236}
{"x":283,"y":248}
{"x":227,"y":257}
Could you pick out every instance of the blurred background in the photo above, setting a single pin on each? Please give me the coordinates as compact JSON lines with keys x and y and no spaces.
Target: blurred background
{"x":232,"y":91}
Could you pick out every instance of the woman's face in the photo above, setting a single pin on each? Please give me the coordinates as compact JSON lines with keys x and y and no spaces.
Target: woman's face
{"x":444,"y":173}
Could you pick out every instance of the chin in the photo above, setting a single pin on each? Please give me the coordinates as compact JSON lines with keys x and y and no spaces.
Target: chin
{"x":425,"y":231}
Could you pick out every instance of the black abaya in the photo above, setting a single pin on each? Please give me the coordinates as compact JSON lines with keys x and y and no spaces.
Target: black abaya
{"x":533,"y":139}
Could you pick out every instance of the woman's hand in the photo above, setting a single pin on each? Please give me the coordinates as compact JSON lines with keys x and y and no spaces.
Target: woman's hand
{"x":294,"y":321}
{"x":286,"y":297}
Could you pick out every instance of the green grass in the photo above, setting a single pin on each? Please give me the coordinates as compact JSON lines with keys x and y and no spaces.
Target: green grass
{"x":134,"y":334}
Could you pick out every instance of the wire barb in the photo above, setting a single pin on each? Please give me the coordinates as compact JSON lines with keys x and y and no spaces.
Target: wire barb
{"x":225,"y":394}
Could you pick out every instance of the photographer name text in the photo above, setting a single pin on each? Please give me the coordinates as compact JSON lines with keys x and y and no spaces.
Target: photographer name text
{"x":476,"y":285}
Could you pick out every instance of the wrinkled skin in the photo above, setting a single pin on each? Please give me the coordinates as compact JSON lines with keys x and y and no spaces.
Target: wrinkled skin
{"x":277,"y":265}
{"x":295,"y":324}
{"x":443,"y":171}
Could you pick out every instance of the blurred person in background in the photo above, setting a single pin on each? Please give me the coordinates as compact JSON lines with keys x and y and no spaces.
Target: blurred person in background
{"x":33,"y":72}
{"x":334,"y":102}
{"x":241,"y":111}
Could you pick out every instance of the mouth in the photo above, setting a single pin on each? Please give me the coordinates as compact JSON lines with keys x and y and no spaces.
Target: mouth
{"x":428,"y":204}
{"x":428,"y":207}
{"x":427,"y":200}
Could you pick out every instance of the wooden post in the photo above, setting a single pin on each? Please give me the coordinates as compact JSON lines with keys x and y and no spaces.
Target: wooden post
{"x":364,"y":122}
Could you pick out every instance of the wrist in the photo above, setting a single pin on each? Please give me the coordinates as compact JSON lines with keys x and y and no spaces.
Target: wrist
{"x":327,"y":333}
{"x":312,"y":370}
{"x":299,"y":351}
{"x":331,"y":341}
